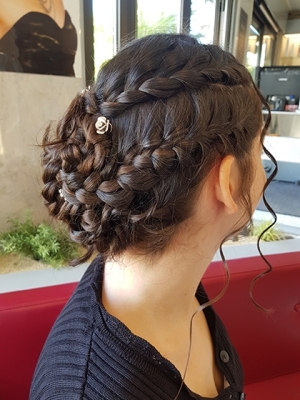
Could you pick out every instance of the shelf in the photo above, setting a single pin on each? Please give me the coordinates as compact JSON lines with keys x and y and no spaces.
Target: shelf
{"x":283,"y":112}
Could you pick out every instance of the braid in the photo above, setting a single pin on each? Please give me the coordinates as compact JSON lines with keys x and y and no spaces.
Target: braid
{"x":132,"y":186}
{"x":162,"y":88}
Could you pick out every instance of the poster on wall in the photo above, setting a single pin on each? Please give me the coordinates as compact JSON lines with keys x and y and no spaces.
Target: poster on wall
{"x":242,"y":33}
{"x":41,"y":37}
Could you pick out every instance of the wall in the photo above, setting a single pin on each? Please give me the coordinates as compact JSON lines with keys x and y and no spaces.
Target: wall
{"x":293,"y":26}
{"x":291,"y":43}
{"x":27,"y":103}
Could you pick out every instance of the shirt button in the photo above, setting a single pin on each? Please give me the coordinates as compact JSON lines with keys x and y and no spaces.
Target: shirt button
{"x":224,"y":356}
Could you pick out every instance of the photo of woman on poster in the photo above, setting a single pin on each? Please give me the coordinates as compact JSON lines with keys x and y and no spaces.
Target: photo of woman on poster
{"x":37,"y":36}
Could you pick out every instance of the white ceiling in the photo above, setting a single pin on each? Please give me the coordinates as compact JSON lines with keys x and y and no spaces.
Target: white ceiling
{"x":283,"y":5}
{"x":280,"y":10}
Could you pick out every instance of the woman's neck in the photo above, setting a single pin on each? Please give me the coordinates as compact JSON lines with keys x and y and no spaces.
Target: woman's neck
{"x":164,"y":288}
{"x":161,"y":290}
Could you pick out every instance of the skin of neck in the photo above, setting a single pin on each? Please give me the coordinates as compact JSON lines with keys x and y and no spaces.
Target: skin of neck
{"x":136,"y":288}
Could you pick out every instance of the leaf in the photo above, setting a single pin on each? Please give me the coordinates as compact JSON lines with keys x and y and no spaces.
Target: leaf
{"x":43,"y":242}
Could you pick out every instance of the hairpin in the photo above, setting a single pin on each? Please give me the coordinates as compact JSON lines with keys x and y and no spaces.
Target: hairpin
{"x":85,"y":90}
{"x":61,"y":193}
{"x":103,"y":125}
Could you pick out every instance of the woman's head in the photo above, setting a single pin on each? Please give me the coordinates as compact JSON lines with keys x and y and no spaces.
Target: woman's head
{"x":175,"y":108}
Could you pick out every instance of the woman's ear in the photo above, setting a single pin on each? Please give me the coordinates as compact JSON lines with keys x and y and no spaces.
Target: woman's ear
{"x":227,"y":184}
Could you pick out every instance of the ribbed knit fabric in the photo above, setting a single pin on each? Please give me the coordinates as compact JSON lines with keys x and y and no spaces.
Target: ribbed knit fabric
{"x":91,"y":355}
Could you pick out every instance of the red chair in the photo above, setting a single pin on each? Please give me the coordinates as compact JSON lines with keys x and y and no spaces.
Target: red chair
{"x":268,"y":344}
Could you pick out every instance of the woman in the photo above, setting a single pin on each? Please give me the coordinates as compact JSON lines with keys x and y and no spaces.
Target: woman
{"x":37,"y":36}
{"x":153,"y":167}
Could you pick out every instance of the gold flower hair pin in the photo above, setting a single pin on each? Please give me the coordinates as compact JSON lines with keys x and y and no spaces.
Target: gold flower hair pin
{"x":103,"y":125}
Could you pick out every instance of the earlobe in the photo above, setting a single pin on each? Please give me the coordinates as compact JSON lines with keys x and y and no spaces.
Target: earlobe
{"x":227,"y":183}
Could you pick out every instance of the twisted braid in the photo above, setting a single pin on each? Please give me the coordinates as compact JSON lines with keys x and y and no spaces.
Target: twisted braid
{"x":163,"y":88}
{"x":174,"y":108}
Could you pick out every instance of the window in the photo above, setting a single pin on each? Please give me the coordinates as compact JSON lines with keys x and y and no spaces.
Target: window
{"x":203,"y":20}
{"x":164,"y":17}
{"x":104,"y":13}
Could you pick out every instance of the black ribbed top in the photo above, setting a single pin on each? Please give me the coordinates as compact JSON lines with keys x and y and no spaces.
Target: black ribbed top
{"x":91,"y":355}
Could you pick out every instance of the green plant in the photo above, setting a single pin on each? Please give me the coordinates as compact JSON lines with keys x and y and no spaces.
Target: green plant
{"x":270,"y":235}
{"x":166,"y":24}
{"x":42,"y":242}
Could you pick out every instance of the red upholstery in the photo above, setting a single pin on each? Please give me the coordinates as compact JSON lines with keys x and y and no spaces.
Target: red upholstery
{"x":26,"y":318}
{"x":283,"y":387}
{"x":269,"y":345}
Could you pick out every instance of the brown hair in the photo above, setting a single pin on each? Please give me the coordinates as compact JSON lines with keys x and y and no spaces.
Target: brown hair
{"x":175,"y":106}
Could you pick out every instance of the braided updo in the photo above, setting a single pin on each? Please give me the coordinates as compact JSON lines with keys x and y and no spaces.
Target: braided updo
{"x":175,"y":107}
